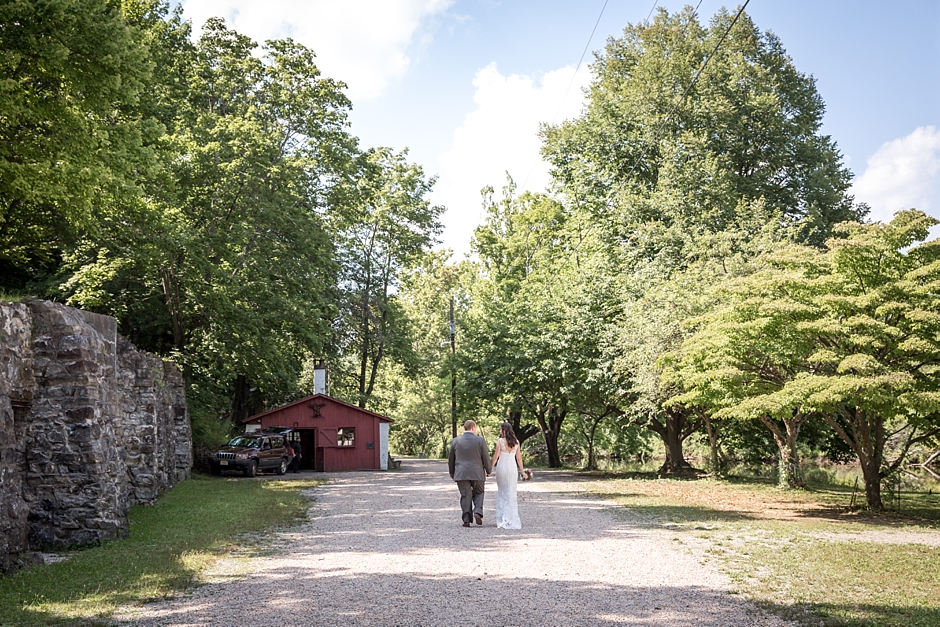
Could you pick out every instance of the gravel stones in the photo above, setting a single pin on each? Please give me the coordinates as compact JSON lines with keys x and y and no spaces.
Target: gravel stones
{"x":389,"y":549}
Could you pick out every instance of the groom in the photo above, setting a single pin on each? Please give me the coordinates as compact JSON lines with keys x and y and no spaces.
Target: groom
{"x":469,"y":464}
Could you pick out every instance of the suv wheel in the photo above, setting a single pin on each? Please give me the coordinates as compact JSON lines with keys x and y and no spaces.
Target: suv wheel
{"x":282,"y":469}
{"x":215,"y":469}
{"x":252,"y":470}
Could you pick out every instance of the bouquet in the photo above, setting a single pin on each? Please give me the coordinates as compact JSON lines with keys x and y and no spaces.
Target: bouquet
{"x":526,"y":474}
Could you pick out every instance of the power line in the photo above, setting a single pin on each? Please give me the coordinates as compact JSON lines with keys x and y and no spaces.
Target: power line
{"x":651,"y":10}
{"x":666,"y":120}
{"x":684,"y":94}
{"x":570,"y":83}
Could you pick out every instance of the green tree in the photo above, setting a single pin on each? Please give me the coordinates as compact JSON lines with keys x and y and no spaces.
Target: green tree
{"x":538,"y":321}
{"x":751,"y":120}
{"x":71,"y":133}
{"x":677,"y":187}
{"x":418,"y":394}
{"x":851,"y":333}
{"x":387,"y":229}
{"x":228,"y":259}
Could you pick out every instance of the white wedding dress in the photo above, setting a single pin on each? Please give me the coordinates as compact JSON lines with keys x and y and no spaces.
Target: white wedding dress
{"x":507,"y":475}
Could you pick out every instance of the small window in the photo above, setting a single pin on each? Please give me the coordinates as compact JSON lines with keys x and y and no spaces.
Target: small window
{"x":346,"y":436}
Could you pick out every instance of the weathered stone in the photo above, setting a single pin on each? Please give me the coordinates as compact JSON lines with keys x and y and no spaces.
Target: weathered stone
{"x":89,"y":425}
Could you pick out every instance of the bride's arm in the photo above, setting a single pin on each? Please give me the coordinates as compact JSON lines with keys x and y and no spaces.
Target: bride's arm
{"x":495,"y":455}
{"x":519,"y":458}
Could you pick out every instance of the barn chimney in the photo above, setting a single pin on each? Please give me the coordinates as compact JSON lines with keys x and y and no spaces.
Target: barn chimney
{"x":319,"y":377}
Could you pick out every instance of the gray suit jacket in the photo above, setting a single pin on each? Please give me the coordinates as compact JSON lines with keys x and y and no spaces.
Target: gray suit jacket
{"x":469,"y":459}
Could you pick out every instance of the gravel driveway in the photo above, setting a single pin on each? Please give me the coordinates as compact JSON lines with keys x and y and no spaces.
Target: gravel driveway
{"x":389,"y":549}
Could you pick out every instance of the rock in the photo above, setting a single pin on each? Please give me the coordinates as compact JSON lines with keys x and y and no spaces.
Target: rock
{"x":89,"y":426}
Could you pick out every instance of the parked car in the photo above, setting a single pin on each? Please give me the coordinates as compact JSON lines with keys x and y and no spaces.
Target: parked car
{"x":252,"y":453}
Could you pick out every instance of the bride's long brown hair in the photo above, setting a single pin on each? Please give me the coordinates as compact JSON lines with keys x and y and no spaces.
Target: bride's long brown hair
{"x":509,"y":434}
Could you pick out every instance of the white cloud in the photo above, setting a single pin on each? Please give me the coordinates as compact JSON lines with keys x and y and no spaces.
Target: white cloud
{"x":902,"y":174}
{"x":500,"y":135}
{"x":362,"y":42}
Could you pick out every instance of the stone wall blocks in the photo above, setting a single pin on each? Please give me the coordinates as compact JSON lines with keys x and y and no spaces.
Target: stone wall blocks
{"x":100,"y":426}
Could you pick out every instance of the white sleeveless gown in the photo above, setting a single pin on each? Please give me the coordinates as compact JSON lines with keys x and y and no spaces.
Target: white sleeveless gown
{"x":507,"y":475}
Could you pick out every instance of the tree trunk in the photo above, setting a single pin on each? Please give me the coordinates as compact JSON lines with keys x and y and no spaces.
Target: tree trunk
{"x":523,"y":432}
{"x":240,"y":398}
{"x":871,"y":472}
{"x":867,"y":440}
{"x":712,"y":427}
{"x":550,"y":421}
{"x":591,"y":461}
{"x":171,"y":294}
{"x":673,"y":430}
{"x":364,"y":351}
{"x":790,"y":470}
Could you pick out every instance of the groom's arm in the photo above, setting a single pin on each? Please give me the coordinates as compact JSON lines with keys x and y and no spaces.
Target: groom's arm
{"x":485,"y":456}
{"x":452,"y":461}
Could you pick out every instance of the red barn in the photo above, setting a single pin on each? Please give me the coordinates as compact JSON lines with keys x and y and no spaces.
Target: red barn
{"x":333,"y":435}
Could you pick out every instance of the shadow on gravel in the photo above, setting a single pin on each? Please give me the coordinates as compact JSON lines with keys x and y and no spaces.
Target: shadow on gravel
{"x":425,"y":514}
{"x":842,"y":614}
{"x":406,"y":599}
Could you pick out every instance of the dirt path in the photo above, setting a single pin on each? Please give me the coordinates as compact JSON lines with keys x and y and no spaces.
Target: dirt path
{"x":389,"y":549}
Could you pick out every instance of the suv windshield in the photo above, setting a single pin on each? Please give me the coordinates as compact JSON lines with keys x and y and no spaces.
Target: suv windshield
{"x":245,"y":442}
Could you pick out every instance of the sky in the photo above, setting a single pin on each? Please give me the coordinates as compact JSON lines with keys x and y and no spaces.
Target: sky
{"x":464,"y":84}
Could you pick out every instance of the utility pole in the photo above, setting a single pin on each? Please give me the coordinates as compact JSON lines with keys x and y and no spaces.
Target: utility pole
{"x":453,"y":370}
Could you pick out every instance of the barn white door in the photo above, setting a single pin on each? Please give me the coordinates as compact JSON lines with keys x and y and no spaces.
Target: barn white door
{"x":383,"y":445}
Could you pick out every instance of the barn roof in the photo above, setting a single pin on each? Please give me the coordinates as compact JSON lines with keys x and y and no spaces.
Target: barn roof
{"x":307,"y":399}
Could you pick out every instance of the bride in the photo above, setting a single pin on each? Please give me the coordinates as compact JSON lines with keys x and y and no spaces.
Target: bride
{"x":507,"y":474}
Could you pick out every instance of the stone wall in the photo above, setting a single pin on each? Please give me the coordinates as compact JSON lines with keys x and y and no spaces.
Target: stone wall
{"x":89,"y":426}
{"x":16,"y":393}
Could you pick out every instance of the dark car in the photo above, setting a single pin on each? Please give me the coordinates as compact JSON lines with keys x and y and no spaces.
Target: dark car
{"x":252,"y":453}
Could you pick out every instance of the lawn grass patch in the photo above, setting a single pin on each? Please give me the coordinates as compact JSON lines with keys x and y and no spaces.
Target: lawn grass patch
{"x":803,"y":554}
{"x":854,"y":583}
{"x":170,"y":545}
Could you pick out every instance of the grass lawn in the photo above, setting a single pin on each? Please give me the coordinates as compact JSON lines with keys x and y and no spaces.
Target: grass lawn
{"x":170,"y":545}
{"x":801,"y":554}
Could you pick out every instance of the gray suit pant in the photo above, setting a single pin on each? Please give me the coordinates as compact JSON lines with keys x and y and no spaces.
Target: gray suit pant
{"x":471,"y":498}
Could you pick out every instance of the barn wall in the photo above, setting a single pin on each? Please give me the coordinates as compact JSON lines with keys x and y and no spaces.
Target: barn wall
{"x":333,"y":415}
{"x":358,"y":457}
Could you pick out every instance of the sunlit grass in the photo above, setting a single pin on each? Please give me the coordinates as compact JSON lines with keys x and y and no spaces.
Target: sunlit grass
{"x":171,"y":544}
{"x":803,"y":554}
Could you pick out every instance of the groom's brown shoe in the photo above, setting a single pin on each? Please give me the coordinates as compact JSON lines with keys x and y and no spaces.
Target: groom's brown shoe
{"x":478,"y":518}
{"x":466,"y":524}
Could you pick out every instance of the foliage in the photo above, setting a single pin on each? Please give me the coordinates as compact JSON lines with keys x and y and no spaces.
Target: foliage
{"x":386,"y":229}
{"x":419,"y":397}
{"x":70,"y":133}
{"x":205,"y":193}
{"x":849,"y":333}
{"x":747,"y":131}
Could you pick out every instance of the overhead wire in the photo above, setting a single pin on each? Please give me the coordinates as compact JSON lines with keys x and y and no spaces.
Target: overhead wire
{"x":684,"y":93}
{"x":626,"y":179}
{"x":570,"y":83}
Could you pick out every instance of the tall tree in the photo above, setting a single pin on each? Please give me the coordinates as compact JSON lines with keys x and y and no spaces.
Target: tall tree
{"x":417,"y":393}
{"x":230,"y":240}
{"x":751,"y":116}
{"x":389,"y":227}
